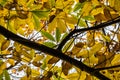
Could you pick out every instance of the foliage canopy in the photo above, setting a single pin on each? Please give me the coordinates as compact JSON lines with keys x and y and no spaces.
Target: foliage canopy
{"x":59,"y":39}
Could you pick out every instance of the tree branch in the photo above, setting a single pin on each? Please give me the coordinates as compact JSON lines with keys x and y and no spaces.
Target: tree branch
{"x":53,"y":52}
{"x":105,"y":68}
{"x":102,"y":25}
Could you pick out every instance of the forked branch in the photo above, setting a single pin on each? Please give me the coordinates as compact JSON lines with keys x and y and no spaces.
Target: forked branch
{"x":53,"y":52}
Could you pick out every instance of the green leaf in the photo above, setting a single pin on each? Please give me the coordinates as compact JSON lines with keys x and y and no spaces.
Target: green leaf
{"x":58,"y":35}
{"x":48,"y":35}
{"x":68,"y":45}
{"x":82,"y":23}
{"x":41,"y":14}
{"x":36,"y":22}
{"x":64,"y":35}
{"x":2,"y":2}
{"x":77,"y":7}
{"x":52,"y":3}
{"x":1,"y":76}
{"x":49,"y":44}
{"x":7,"y":76}
{"x":89,"y":18}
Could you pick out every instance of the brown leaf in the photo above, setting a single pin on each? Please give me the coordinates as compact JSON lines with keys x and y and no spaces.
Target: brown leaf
{"x":77,"y":47}
{"x":37,"y":64}
{"x":107,"y":14}
{"x":81,"y":1}
{"x":66,"y":67}
{"x":5,"y":44}
{"x":100,"y":17}
{"x":53,"y":60}
{"x":48,"y":76}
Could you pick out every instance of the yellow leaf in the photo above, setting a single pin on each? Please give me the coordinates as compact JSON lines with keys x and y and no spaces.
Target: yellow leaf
{"x":73,"y":76}
{"x":95,"y":2}
{"x":97,"y":11}
{"x":26,"y":59}
{"x":2,"y":38}
{"x":32,"y":53}
{"x":117,"y":5}
{"x":22,"y":2}
{"x":82,"y":54}
{"x":52,"y":25}
{"x":90,"y":38}
{"x":3,"y":66}
{"x":106,"y":38}
{"x":111,"y":2}
{"x":38,"y":57}
{"x":82,"y":75}
{"x":1,"y":71}
{"x":85,"y":9}
{"x":17,"y":47}
{"x":26,"y":54}
{"x":70,"y":19}
{"x":92,"y":60}
{"x":59,"y":4}
{"x":35,"y":73}
{"x":5,"y":44}
{"x":5,"y":52}
{"x":61,"y":25}
{"x":116,"y":59}
{"x":95,"y":49}
{"x":11,"y":61}
{"x":11,"y":27}
{"x":21,"y":31}
{"x":58,"y":22}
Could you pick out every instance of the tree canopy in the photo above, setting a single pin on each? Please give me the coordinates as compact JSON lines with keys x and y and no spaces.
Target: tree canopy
{"x":59,"y":39}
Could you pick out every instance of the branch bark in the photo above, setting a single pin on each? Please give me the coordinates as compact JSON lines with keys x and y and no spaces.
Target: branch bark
{"x":53,"y":52}
{"x":102,"y":25}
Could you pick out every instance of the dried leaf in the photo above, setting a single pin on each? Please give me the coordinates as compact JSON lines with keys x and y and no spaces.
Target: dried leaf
{"x":5,"y":44}
{"x":37,"y":64}
{"x":107,"y":14}
{"x":118,"y":37}
{"x":77,"y":47}
{"x":66,"y":67}
{"x":53,"y":60}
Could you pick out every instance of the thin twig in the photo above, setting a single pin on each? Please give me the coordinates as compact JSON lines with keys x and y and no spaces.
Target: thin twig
{"x":105,"y":68}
